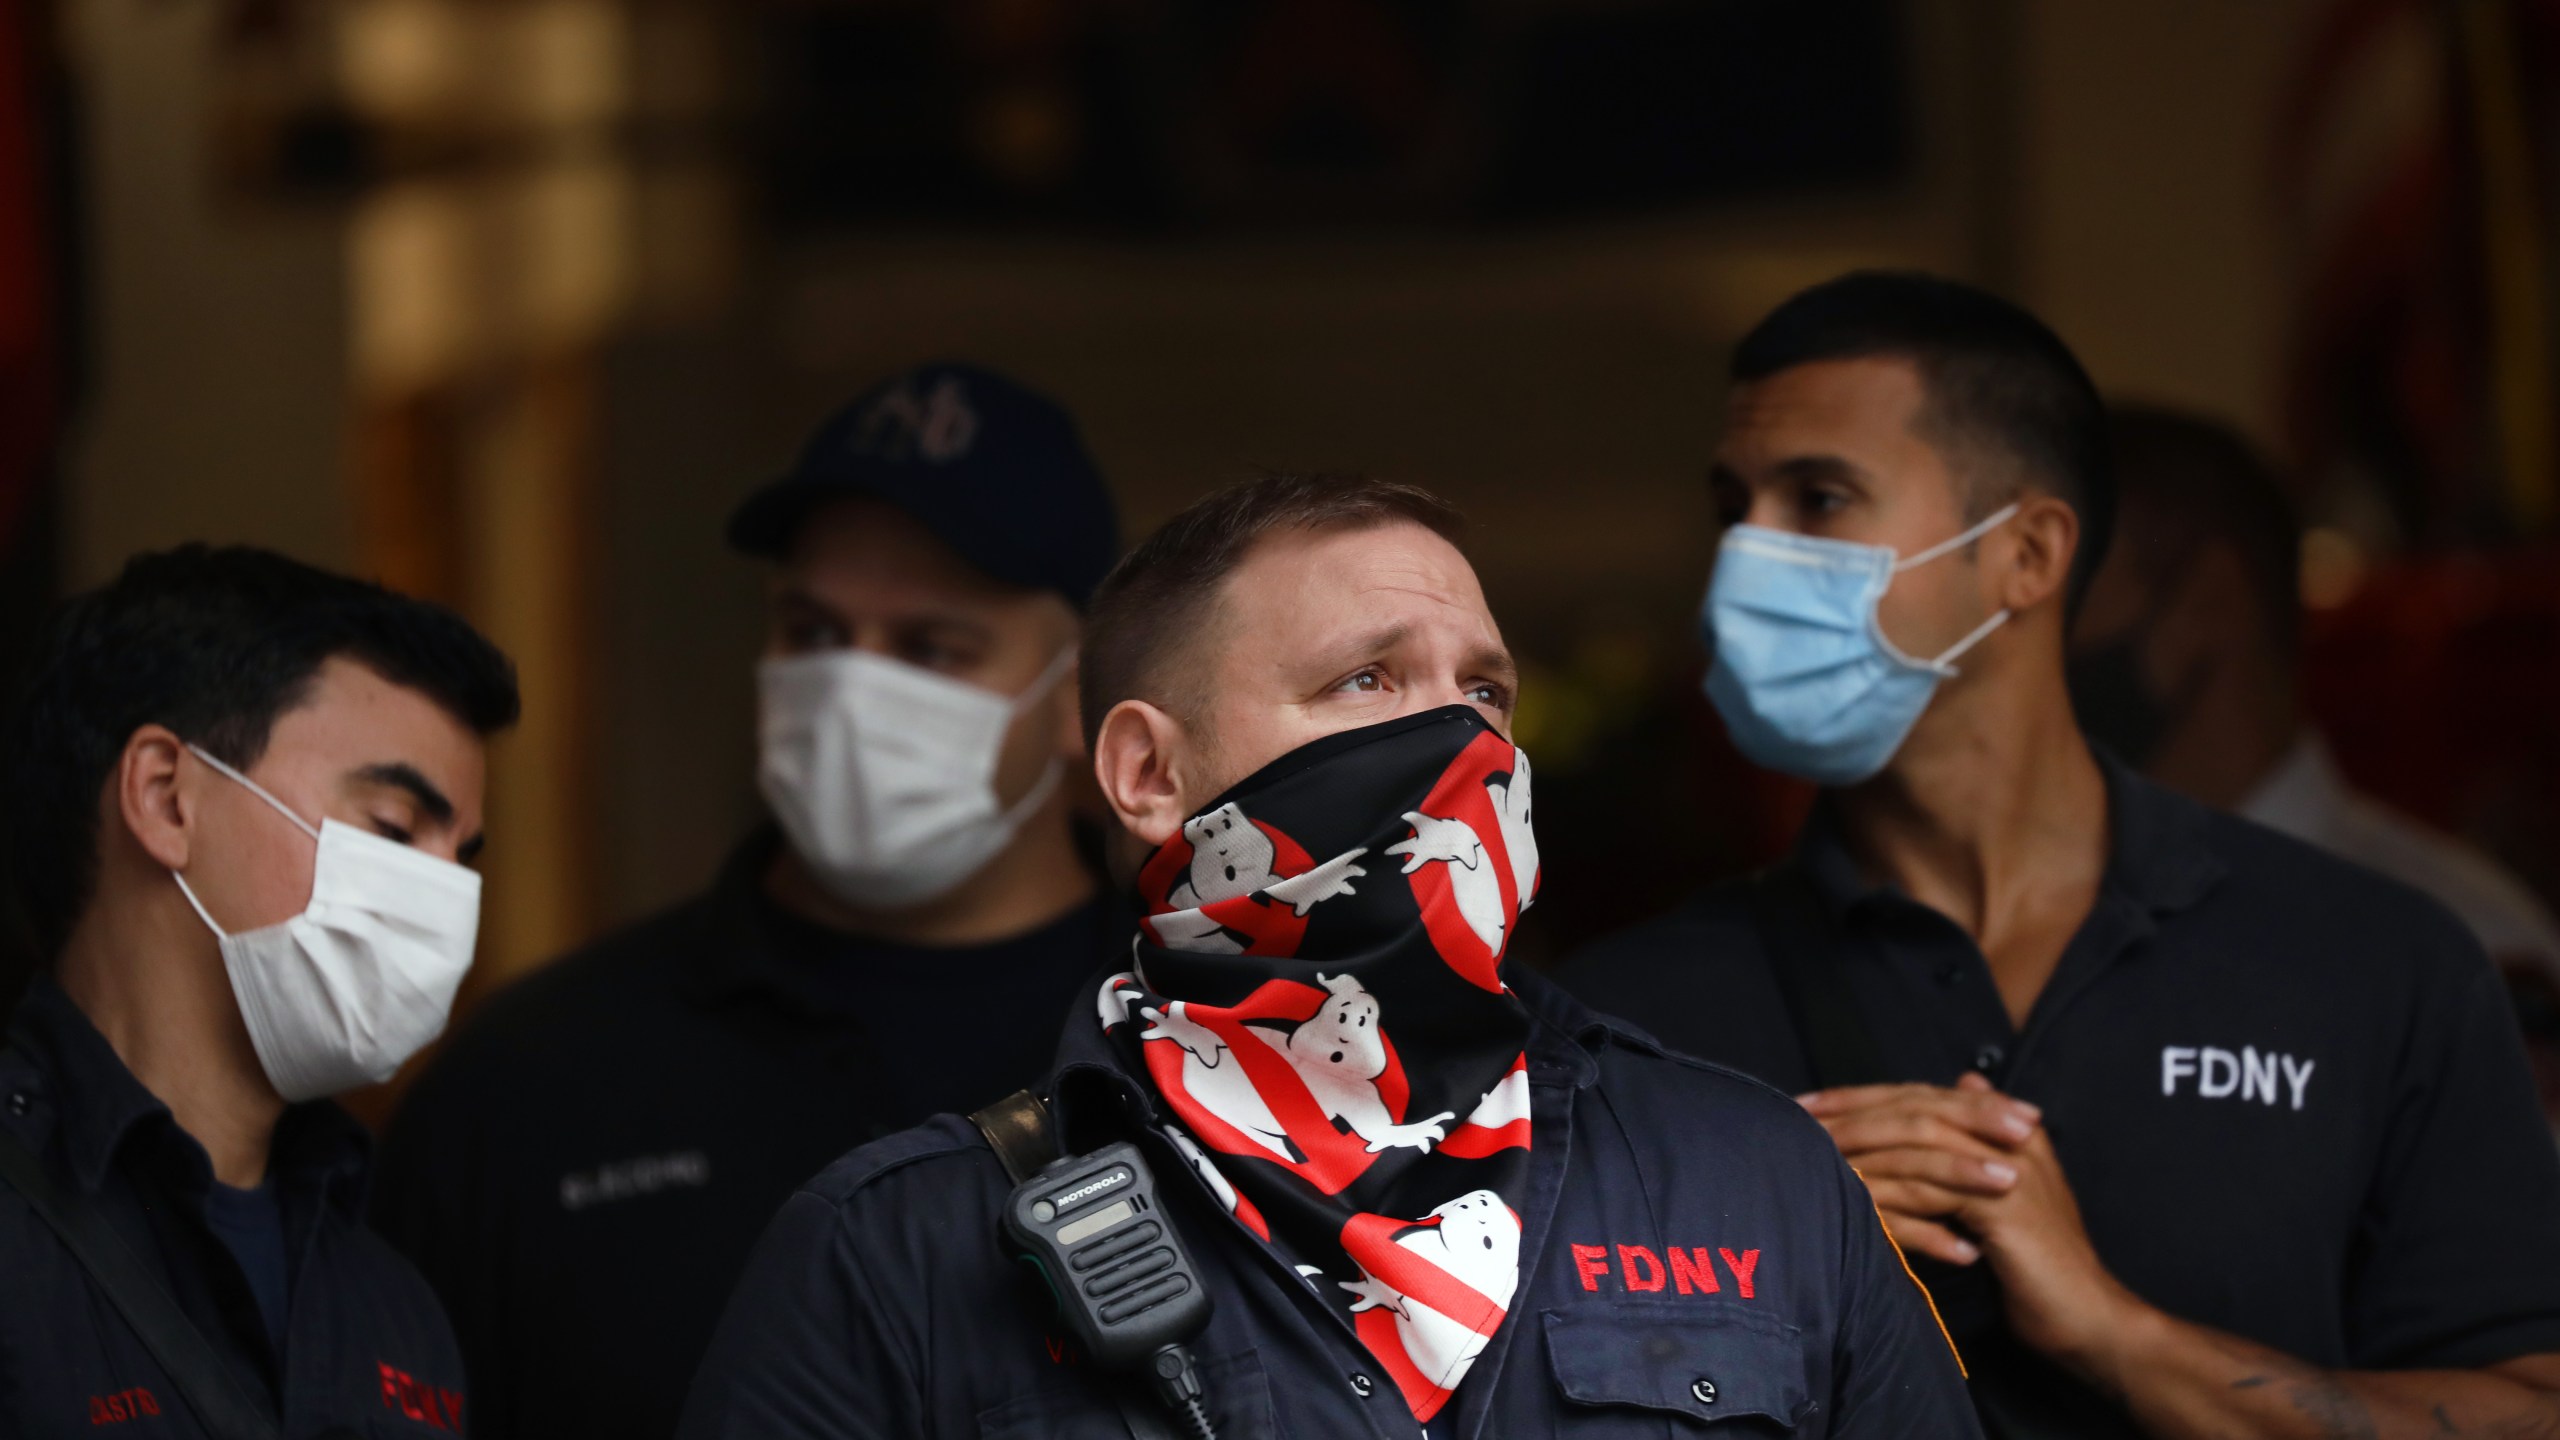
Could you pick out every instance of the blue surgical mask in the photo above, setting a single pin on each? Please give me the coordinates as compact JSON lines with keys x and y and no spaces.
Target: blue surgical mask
{"x":1804,"y":677}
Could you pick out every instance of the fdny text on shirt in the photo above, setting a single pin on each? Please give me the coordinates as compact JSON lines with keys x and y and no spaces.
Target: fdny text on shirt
{"x":2218,"y":1074}
{"x":1641,"y":1269}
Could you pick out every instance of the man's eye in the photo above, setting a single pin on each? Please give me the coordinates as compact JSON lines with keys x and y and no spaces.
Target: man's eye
{"x":814,"y":635}
{"x":1485,"y":692}
{"x":1818,"y":501}
{"x":945,"y":659}
{"x":394,"y":832}
{"x":1367,"y":682}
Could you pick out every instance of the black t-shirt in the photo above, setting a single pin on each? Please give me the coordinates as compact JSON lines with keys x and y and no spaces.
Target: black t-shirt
{"x":582,"y":1172}
{"x":2287,"y":1092}
{"x":250,"y":1224}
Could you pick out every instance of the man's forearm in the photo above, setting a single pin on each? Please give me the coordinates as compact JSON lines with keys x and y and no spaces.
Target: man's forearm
{"x":2182,"y":1381}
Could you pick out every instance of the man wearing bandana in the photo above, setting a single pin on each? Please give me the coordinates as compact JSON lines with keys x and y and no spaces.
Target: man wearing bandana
{"x":1426,"y":1192}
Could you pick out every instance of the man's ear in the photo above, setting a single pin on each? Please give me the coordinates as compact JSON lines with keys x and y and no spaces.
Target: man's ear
{"x":2042,"y":539}
{"x":1142,"y":759}
{"x":147,"y":794}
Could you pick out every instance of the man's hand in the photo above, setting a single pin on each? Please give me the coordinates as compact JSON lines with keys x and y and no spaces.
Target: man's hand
{"x":1971,"y":1160}
{"x":2060,"y":1297}
{"x":1927,"y":1152}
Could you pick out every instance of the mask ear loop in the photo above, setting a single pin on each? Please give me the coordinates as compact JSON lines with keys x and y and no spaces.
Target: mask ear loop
{"x":201,"y":913}
{"x":254,"y":788}
{"x":1990,"y":522}
{"x":1945,"y":663}
{"x":1047,"y":681}
{"x":1052,"y":777}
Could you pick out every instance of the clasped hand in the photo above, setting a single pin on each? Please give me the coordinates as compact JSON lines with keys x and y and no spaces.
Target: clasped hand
{"x":1966,"y":1173}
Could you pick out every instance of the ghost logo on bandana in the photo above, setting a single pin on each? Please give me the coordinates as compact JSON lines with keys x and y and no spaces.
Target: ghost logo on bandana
{"x":1319,"y":1029}
{"x":1303,"y":1074}
{"x":1472,"y":858}
{"x":1232,"y":885}
{"x":1499,"y":1121}
{"x":1431,"y":1293}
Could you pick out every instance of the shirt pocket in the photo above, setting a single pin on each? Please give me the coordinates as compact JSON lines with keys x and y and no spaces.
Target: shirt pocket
{"x":1729,"y":1372}
{"x":1238,"y":1394}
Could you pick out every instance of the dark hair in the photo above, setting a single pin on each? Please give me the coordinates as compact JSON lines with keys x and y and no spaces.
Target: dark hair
{"x":2188,"y":480}
{"x":1162,"y":596}
{"x":1996,"y":378}
{"x":214,"y":644}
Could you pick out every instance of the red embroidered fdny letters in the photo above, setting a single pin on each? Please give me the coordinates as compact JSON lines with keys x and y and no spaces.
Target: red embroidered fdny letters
{"x":1642,"y":1270}
{"x":124,"y":1405}
{"x":430,"y":1405}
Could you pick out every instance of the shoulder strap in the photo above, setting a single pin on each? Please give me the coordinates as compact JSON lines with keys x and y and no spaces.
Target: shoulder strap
{"x":1017,"y":1129}
{"x":1804,"y":956}
{"x":192,"y":1364}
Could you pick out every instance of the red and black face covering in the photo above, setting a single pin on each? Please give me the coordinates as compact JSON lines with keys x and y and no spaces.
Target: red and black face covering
{"x":1317,"y":997}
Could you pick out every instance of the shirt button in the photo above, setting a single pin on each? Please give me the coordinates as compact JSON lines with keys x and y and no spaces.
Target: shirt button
{"x":1705,"y":1390}
{"x":1950,"y":973}
{"x":1988,"y":1058}
{"x":19,"y":1102}
{"x":1362,"y":1385}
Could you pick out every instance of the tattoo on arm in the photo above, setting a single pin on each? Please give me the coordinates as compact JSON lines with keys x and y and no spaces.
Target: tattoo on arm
{"x":2335,"y":1409}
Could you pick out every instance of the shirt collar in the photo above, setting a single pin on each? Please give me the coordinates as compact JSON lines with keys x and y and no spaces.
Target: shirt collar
{"x":2159,"y":852}
{"x":2160,"y":847}
{"x":99,"y":1106}
{"x":2303,"y":795}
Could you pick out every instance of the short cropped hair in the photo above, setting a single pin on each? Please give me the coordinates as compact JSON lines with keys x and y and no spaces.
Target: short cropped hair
{"x":215,"y":644}
{"x":2189,"y":480}
{"x":1997,"y":380}
{"x":1155,"y":606}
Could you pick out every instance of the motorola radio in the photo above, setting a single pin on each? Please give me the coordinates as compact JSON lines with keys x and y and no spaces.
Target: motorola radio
{"x":1092,"y":1228}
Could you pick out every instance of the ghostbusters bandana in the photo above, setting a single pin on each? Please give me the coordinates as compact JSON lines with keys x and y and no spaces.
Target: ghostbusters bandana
{"x":1316,"y":998}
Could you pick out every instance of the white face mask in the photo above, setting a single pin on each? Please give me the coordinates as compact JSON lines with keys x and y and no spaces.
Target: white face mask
{"x":341,"y":994}
{"x":883,"y":774}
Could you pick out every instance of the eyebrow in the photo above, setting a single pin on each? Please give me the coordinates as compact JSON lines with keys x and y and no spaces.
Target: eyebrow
{"x":1365,"y":648}
{"x":1821,"y":467}
{"x":1495,"y":661}
{"x":404,"y":776}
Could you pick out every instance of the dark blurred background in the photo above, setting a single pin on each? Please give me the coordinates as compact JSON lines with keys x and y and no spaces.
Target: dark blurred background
{"x":507,"y":301}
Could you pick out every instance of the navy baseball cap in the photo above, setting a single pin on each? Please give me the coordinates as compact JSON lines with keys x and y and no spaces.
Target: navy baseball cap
{"x":995,"y":470}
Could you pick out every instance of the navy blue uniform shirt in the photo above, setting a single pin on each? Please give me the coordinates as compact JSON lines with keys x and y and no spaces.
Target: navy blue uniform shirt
{"x":583,"y":1170}
{"x":365,"y":1348}
{"x":2287,"y":1092}
{"x":1693,"y":1252}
